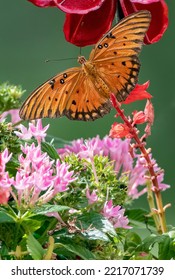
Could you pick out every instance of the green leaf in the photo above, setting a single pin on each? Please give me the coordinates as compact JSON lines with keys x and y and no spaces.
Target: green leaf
{"x":47,"y":208}
{"x":50,"y":150}
{"x":34,"y":247}
{"x":98,"y":222}
{"x":139,"y":218}
{"x":164,"y":248}
{"x":78,"y":250}
{"x":11,"y":234}
{"x":58,"y":142}
{"x":5,"y":218}
{"x":132,"y":240}
{"x":31,"y":224}
{"x":95,"y":234}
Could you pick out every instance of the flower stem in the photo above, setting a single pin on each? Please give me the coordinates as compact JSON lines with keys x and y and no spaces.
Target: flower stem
{"x":160,"y":211}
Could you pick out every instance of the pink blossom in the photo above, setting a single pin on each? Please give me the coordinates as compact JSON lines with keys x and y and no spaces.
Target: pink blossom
{"x":63,"y":177}
{"x":4,"y":195}
{"x":4,"y":158}
{"x":25,"y":133}
{"x":115,"y":215}
{"x":38,"y":131}
{"x":14,"y":114}
{"x":5,"y":180}
{"x":92,"y":197}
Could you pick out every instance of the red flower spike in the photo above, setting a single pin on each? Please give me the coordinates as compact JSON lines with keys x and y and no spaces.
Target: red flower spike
{"x":43,"y":3}
{"x":82,"y":30}
{"x":138,"y":93}
{"x":159,"y":12}
{"x":120,"y":130}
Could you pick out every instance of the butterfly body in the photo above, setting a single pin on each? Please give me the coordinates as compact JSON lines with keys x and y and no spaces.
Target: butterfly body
{"x":91,"y":71}
{"x":83,"y":93}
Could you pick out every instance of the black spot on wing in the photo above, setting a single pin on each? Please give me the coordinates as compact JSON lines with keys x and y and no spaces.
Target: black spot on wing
{"x":52,"y":83}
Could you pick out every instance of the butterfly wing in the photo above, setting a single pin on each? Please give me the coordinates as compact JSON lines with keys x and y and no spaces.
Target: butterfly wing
{"x":70,"y":93}
{"x":116,"y":55}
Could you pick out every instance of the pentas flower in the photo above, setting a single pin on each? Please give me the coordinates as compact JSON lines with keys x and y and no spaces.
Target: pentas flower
{"x":36,"y":130}
{"x":115,"y":214}
{"x":13,"y":113}
{"x":118,"y":151}
{"x":92,"y":197}
{"x":4,"y":158}
{"x":84,"y":16}
{"x":5,"y":180}
{"x":4,"y":195}
{"x":37,"y":181}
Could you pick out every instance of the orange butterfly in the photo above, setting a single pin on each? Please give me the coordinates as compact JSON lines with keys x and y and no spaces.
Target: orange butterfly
{"x":83,"y":93}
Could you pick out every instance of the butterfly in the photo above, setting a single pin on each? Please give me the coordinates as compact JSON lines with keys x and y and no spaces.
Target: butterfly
{"x":83,"y":93}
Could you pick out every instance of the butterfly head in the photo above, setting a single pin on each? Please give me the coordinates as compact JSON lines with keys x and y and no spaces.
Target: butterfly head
{"x":82,"y":60}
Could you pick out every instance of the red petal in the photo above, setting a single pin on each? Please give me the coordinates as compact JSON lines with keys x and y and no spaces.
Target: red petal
{"x":83,"y":30}
{"x":78,"y":7}
{"x":159,"y":12}
{"x":43,"y":3}
{"x":149,"y":112}
{"x":139,"y":117}
{"x":119,"y":130}
{"x":138,"y":93}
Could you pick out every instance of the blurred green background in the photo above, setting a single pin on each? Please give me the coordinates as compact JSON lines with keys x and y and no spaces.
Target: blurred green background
{"x":30,"y":35}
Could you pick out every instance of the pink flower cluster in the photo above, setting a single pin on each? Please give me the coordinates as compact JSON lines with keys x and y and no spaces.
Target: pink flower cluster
{"x":37,"y":181}
{"x":118,"y":152}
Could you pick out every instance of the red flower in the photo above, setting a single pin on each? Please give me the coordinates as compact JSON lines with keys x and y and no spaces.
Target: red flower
{"x":87,"y":29}
{"x":159,"y":13}
{"x":120,"y":130}
{"x":87,"y":20}
{"x":139,"y":117}
{"x":149,"y":112}
{"x":43,"y":3}
{"x":138,"y":93}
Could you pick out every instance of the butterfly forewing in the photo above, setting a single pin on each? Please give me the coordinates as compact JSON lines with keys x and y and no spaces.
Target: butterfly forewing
{"x":124,"y":39}
{"x":116,"y":54}
{"x":49,"y":99}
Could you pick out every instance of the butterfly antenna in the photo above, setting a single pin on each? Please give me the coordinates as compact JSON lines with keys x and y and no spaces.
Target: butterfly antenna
{"x":61,"y":59}
{"x":80,"y":51}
